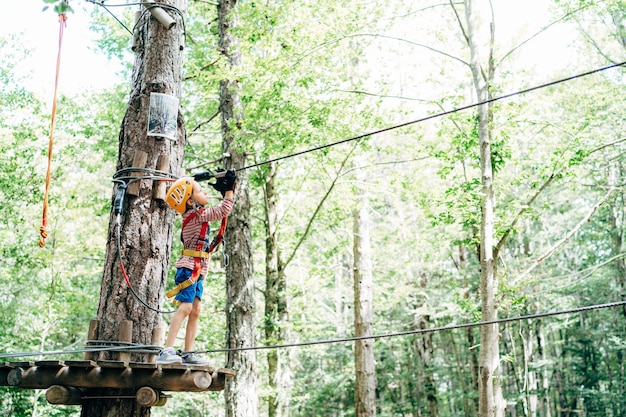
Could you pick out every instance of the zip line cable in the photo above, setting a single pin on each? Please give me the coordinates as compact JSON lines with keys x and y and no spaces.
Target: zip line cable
{"x":137,"y":348}
{"x":134,"y":348}
{"x":435,"y":116}
{"x":423,"y":331}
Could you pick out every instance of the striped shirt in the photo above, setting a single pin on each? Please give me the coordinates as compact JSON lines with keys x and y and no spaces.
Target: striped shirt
{"x":191,"y":231}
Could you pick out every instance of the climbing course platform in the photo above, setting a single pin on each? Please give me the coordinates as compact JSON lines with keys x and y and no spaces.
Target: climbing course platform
{"x":71,"y":382}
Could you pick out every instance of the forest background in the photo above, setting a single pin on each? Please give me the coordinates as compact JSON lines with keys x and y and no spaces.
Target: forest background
{"x":315,"y":73}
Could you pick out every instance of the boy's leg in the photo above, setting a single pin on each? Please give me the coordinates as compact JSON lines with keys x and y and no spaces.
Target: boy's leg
{"x":183,"y":311}
{"x":192,"y":325}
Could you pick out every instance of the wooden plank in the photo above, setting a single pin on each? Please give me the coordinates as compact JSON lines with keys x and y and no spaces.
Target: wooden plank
{"x":82,"y":364}
{"x":207,"y":367}
{"x":52,"y":364}
{"x":112,"y":364}
{"x":227,"y":372}
{"x":26,"y":364}
{"x":143,"y":365}
{"x":174,"y":366}
{"x":160,"y":379}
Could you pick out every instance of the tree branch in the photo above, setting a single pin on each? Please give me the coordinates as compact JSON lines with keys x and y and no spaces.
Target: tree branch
{"x":532,"y":199}
{"x":319,"y":207}
{"x":561,"y":242}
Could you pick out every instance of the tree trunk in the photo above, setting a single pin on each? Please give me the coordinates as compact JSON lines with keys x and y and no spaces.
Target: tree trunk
{"x":531,"y":379}
{"x":424,"y":347}
{"x":240,"y":392}
{"x":365,"y":382}
{"x":276,"y":313}
{"x":146,"y":226}
{"x":480,"y":40}
{"x":544,"y":393}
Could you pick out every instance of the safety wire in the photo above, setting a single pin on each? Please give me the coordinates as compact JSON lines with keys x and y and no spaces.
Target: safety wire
{"x":128,"y":347}
{"x":150,"y":349}
{"x":435,"y":116}
{"x":123,"y":182}
{"x":422,"y":331}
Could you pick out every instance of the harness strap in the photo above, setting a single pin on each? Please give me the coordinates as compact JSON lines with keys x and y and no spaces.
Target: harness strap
{"x":198,"y":254}
{"x":195,"y":253}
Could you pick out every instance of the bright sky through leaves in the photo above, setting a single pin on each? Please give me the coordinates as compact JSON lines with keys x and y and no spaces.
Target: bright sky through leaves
{"x":81,"y":67}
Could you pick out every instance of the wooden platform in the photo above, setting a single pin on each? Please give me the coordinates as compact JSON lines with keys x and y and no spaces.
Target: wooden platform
{"x":73,"y":375}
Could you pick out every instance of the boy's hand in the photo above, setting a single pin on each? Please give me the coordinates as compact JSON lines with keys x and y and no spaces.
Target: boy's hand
{"x":221,"y":183}
{"x":231,"y":180}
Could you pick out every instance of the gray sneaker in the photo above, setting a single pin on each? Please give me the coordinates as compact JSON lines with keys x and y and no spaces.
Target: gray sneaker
{"x":168,"y":355}
{"x":194,"y":359}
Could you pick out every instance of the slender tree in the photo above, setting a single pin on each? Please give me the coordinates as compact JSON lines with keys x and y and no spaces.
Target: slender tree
{"x":365,"y":378}
{"x":241,"y":396}
{"x":479,"y":35}
{"x":276,"y":312}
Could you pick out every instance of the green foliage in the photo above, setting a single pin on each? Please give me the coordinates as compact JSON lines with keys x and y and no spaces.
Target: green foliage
{"x":60,"y":6}
{"x":309,"y":78}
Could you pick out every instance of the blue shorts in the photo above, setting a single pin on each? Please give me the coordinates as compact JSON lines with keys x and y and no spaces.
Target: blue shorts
{"x":189,"y":294}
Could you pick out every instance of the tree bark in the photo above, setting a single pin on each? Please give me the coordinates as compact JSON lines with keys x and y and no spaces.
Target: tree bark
{"x":146,"y":225}
{"x":480,"y":40}
{"x":365,"y":381}
{"x":240,"y":392}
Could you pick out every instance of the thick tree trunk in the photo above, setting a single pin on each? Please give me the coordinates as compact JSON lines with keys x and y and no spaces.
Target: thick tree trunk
{"x":480,"y":39}
{"x":146,"y":224}
{"x":365,"y":382}
{"x":276,"y":313}
{"x":240,"y":392}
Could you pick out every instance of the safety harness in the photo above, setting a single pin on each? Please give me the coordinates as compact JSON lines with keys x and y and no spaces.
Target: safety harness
{"x":199,"y":253}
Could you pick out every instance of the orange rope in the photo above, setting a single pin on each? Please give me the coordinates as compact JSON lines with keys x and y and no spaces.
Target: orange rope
{"x":44,"y":220}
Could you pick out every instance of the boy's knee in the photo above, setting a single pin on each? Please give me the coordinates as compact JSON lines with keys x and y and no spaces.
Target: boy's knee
{"x":196,"y":310}
{"x":185,"y":308}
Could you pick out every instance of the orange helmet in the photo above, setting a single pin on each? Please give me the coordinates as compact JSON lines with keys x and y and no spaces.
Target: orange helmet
{"x":179,"y":193}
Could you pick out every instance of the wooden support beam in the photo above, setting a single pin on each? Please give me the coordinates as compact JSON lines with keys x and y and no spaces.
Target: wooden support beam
{"x":139,"y":161}
{"x":59,"y":394}
{"x":158,"y":336}
{"x":149,"y":397}
{"x":170,"y":378}
{"x":92,"y":334}
{"x":160,"y":188}
{"x":126,"y":335}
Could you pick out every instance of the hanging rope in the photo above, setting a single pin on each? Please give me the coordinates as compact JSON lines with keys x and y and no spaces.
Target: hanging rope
{"x":44,"y":218}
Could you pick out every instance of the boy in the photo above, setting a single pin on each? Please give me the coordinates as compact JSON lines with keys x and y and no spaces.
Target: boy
{"x":187,"y":198}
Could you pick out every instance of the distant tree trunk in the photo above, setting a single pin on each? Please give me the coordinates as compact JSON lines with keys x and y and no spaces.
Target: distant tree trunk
{"x":276,"y":313}
{"x":424,"y":347}
{"x":146,"y":224}
{"x":365,"y":382}
{"x":240,"y":392}
{"x":480,"y":41}
{"x":531,"y":384}
{"x":544,"y":394}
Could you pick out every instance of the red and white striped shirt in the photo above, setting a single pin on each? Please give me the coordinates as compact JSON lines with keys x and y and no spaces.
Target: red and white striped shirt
{"x":191,"y":231}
